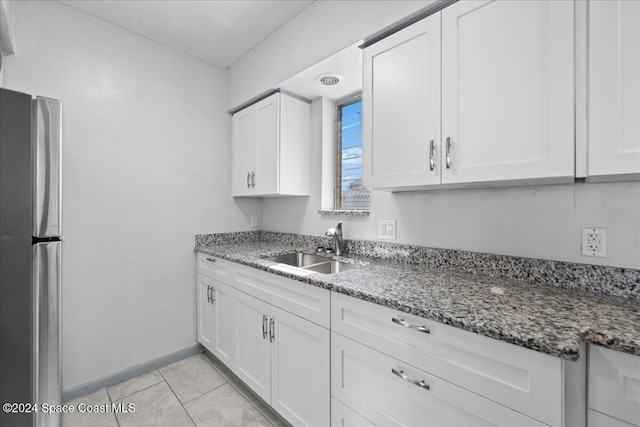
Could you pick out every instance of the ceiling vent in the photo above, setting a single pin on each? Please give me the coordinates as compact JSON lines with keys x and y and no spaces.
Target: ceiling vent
{"x":329,"y":79}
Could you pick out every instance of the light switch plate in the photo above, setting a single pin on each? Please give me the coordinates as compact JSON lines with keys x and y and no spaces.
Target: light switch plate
{"x":387,"y":229}
{"x":254,"y":220}
{"x":594,"y":242}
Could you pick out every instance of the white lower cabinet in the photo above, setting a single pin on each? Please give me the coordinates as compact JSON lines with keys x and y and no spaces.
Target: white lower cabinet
{"x":283,"y":357}
{"x":392,"y":393}
{"x":252,"y":344}
{"x":216,"y":306}
{"x":343,"y":416}
{"x":614,"y":388}
{"x":300,"y":371}
{"x":472,"y":379}
{"x":206,"y":315}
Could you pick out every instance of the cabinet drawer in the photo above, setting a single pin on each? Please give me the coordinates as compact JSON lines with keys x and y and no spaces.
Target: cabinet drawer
{"x":527,"y":381}
{"x":343,"y":416}
{"x":306,"y":301}
{"x":370,"y":383}
{"x":215,"y":268}
{"x":614,"y":384}
{"x":597,"y":419}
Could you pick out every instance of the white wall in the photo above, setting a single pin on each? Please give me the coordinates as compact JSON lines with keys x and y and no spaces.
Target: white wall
{"x":326,"y":27}
{"x":535,"y":221}
{"x":146,"y":166}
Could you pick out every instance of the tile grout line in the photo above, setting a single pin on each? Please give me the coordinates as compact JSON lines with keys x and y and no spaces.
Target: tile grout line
{"x":231,"y":379}
{"x":177,"y":398}
{"x":142,"y":389}
{"x":137,"y":391}
{"x":251,"y":402}
{"x":115,"y":416}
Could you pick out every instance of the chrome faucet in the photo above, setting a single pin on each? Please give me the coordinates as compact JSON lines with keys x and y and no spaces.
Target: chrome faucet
{"x":336,"y":233}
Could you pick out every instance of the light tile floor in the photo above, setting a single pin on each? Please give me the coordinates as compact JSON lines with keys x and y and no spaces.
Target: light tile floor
{"x":196,"y":391}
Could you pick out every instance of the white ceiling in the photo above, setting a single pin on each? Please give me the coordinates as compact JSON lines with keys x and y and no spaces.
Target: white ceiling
{"x":346,"y":63}
{"x":217,"y":31}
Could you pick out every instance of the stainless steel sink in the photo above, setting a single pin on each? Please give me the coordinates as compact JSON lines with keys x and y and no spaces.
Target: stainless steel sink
{"x":332,"y":267}
{"x":315,"y":263}
{"x":298,"y":259}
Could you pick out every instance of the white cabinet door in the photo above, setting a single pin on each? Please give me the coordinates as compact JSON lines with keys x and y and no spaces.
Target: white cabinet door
{"x":507,"y":91}
{"x":614,"y":384}
{"x":266,"y":149}
{"x":300,"y":370}
{"x":252,"y":344}
{"x":614,"y":87}
{"x":401,"y":107}
{"x":206,"y":313}
{"x":223,"y":299}
{"x":242,"y":152}
{"x":343,"y":416}
{"x":391,"y":393}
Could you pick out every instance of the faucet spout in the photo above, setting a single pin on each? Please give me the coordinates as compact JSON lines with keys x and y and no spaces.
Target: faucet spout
{"x":336,"y":233}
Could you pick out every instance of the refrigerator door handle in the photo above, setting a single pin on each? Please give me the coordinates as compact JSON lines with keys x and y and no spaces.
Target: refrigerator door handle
{"x":47,"y":278}
{"x":47,"y":167}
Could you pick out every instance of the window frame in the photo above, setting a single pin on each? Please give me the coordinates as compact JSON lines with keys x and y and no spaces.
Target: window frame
{"x":339,"y":105}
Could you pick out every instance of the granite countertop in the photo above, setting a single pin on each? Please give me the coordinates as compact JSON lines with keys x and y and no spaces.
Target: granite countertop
{"x":545,"y":318}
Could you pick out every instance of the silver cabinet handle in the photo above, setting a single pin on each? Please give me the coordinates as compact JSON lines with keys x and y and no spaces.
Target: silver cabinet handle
{"x":272,"y":330}
{"x":264,"y":326}
{"x":432,"y":148}
{"x":253,"y":179}
{"x":448,"y":152}
{"x":401,"y":322}
{"x":248,"y":180}
{"x":211,"y":259}
{"x":420,"y":383}
{"x":208,"y":294}
{"x":213,"y":295}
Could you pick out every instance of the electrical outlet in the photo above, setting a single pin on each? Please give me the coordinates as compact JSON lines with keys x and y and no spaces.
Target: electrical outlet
{"x":254,"y":220}
{"x":594,"y":242}
{"x":387,"y":229}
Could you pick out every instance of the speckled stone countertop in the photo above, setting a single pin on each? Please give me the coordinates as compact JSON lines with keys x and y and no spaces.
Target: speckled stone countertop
{"x":549,"y":319}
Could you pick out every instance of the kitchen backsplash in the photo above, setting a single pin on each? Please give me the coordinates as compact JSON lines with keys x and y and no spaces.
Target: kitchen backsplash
{"x":601,"y":279}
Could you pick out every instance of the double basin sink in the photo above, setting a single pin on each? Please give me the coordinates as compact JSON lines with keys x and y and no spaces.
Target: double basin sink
{"x":315,"y":263}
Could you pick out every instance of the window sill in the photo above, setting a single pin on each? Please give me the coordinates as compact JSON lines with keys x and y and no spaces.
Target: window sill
{"x":344,"y":213}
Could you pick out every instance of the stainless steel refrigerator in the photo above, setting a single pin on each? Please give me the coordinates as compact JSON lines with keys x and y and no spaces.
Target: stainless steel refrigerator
{"x":30,"y":258}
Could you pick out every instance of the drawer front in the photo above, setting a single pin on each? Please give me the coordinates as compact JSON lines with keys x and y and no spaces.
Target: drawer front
{"x":527,"y":381}
{"x":306,"y":301}
{"x":614,"y":384}
{"x":597,"y":419}
{"x":215,"y":268}
{"x":370,"y":382}
{"x":343,"y":416}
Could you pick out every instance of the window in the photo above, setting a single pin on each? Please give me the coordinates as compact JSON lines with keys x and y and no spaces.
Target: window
{"x":349,"y":192}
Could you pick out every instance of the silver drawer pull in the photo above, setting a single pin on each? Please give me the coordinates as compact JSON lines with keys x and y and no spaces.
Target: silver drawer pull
{"x":272,"y":330}
{"x":448,"y":151}
{"x":410,"y":326}
{"x":211,"y":259}
{"x":432,"y":148}
{"x":420,"y":383}
{"x":264,"y":326}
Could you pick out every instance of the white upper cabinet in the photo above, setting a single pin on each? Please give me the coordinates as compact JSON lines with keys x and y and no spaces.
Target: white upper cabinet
{"x":491,"y":83}
{"x":614,"y":88}
{"x":507,"y":91}
{"x":271,"y":148}
{"x":401,"y":107}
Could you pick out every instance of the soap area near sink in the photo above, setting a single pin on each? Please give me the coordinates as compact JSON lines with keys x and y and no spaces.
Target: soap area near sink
{"x":311,"y":263}
{"x":319,"y":262}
